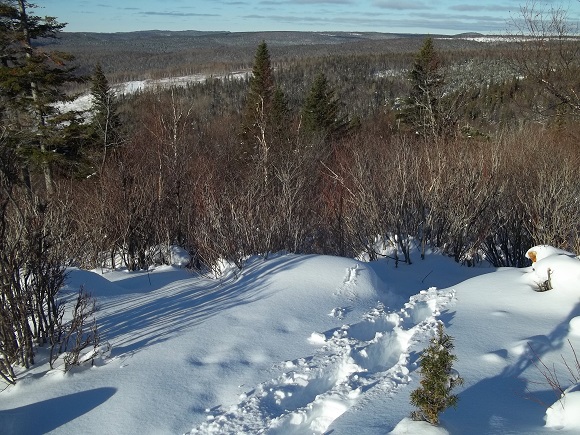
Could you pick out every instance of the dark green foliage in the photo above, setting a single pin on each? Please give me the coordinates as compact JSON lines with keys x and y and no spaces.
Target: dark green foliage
{"x":280,"y":116}
{"x":31,"y":85}
{"x":437,"y":379}
{"x":35,"y":138}
{"x":262,"y":81}
{"x":105,"y":125}
{"x":259,"y":98}
{"x":104,"y":105}
{"x":321,"y":111}
{"x":422,"y":110}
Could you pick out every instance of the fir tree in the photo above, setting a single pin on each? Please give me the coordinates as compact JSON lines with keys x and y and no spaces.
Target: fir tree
{"x":422,"y":111}
{"x":260,"y":97}
{"x":321,"y":110}
{"x":105,"y":122}
{"x":280,"y":116}
{"x":437,"y":379}
{"x":31,"y":83}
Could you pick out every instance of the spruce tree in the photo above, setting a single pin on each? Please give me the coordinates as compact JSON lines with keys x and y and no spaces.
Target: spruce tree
{"x":31,"y":85}
{"x":259,"y":99}
{"x":105,"y":122}
{"x":280,"y":116}
{"x":422,"y":107}
{"x":321,"y":111}
{"x":437,"y":379}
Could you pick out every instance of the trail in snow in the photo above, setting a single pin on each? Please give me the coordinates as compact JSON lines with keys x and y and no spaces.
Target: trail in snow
{"x":373,"y":354}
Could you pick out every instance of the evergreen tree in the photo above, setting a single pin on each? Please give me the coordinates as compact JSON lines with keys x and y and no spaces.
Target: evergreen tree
{"x":105,"y":122}
{"x":259,"y":99}
{"x":422,"y":107}
{"x":321,"y":110}
{"x":437,"y":379}
{"x":280,"y":116}
{"x":31,"y":82}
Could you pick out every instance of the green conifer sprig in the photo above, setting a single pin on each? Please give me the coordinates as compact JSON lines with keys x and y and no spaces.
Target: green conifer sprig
{"x":438,"y":378}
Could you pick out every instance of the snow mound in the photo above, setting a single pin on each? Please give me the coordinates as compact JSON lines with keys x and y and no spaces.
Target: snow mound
{"x":539,"y":252}
{"x":410,"y":427}
{"x":564,"y":413}
{"x":562,"y":269}
{"x":574,"y":326}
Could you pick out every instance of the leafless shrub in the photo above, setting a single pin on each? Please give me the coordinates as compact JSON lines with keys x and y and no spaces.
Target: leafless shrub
{"x":550,"y":374}
{"x":78,"y":334}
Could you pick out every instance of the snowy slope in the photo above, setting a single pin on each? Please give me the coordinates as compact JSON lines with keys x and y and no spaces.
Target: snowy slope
{"x":310,"y":344}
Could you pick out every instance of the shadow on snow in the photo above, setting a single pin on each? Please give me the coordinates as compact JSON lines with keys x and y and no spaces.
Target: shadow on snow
{"x":45,"y":416}
{"x":489,"y":403}
{"x":146,"y":318}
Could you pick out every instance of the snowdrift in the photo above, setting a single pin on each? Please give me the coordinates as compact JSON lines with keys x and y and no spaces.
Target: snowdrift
{"x":313,"y":344}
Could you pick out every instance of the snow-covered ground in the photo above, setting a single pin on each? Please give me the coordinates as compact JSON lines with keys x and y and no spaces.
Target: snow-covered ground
{"x":84,"y":101}
{"x":313,"y":345}
{"x":140,"y":85}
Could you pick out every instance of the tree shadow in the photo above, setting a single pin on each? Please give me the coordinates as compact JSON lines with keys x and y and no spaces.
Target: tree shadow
{"x":487,"y":407}
{"x":47,"y":415}
{"x":155,"y":316}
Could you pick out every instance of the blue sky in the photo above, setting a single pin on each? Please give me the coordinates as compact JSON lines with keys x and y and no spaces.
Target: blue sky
{"x":406,"y":16}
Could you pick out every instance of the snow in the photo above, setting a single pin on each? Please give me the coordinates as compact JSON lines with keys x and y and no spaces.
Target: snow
{"x":558,"y":416}
{"x":307,"y":344}
{"x":83,"y":102}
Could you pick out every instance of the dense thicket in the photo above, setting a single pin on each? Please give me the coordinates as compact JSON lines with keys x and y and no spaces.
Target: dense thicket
{"x":493,"y":186}
{"x":496,"y":182}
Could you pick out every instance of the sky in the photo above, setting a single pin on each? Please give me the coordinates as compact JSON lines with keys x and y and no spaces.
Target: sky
{"x":388,"y":16}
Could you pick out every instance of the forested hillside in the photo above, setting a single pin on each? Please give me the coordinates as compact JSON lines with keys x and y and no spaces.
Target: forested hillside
{"x":466,"y":147}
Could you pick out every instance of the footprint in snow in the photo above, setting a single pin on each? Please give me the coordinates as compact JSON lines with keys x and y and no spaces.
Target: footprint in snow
{"x":370,"y":355}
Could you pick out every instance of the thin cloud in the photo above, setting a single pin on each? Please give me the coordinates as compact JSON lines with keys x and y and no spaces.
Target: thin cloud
{"x":177,"y":14}
{"x":400,"y":5}
{"x":315,"y":2}
{"x":475,"y":8}
{"x":427,"y":21}
{"x":306,"y":2}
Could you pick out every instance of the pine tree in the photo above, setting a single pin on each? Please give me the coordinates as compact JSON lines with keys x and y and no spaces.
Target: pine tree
{"x":321,"y":110}
{"x":437,"y":379}
{"x":280,"y":116}
{"x":259,"y":99}
{"x":105,"y":122}
{"x":421,"y":110}
{"x":31,"y":82}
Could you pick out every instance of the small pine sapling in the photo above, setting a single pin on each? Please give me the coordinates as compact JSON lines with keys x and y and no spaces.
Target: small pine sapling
{"x":438,"y":378}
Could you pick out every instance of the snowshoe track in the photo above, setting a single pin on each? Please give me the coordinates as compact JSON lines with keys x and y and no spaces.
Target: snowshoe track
{"x":353,"y":361}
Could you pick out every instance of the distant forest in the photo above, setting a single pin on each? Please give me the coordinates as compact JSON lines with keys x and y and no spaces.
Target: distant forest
{"x":151,"y":54}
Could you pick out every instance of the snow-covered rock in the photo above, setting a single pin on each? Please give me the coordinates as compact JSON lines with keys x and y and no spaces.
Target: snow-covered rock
{"x":539,"y":252}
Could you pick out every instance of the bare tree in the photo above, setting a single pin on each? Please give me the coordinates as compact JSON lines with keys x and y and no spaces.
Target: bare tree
{"x":549,"y":55}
